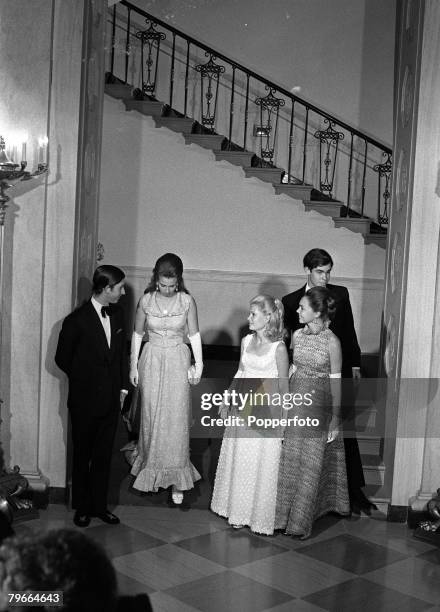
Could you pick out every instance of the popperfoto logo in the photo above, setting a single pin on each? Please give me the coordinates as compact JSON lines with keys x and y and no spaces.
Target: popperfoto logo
{"x":238,"y":409}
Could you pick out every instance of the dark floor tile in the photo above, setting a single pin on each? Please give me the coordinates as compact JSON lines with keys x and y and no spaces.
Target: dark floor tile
{"x":433,"y":556}
{"x":228,"y":591}
{"x":121,"y":540}
{"x":352,"y":554}
{"x":231,"y":548}
{"x":130,"y":586}
{"x":361,"y":595}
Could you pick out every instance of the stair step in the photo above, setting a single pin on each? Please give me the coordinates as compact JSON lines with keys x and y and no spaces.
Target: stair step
{"x":146,"y":107}
{"x":299,"y":192}
{"x":118,"y":90}
{"x":208,"y":141}
{"x":177,"y":124}
{"x":362,"y":226}
{"x":270,"y":175}
{"x":369,"y":445}
{"x":330,"y":209}
{"x":379,"y":239}
{"x":374,"y":470}
{"x":239,"y":158}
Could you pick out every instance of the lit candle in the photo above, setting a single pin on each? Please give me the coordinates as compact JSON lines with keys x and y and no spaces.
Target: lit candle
{"x":23,"y":140}
{"x":42,"y":152}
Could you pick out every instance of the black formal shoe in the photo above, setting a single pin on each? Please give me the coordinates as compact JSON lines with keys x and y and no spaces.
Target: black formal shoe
{"x":80,"y":519}
{"x":108,"y":517}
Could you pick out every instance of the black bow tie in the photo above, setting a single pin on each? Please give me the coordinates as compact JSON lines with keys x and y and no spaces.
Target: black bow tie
{"x":105,"y":310}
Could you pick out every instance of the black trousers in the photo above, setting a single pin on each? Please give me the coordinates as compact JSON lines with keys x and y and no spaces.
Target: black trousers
{"x":92,"y":437}
{"x":353,"y":463}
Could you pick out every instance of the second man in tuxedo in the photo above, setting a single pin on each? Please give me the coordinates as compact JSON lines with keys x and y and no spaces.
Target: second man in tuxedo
{"x":318,"y":265}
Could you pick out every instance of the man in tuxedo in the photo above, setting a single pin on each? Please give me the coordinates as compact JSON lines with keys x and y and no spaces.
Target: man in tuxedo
{"x":92,"y":352}
{"x":318,"y":265}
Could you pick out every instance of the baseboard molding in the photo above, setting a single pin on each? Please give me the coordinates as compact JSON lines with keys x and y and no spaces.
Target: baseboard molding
{"x":59,"y":495}
{"x":397,"y":514}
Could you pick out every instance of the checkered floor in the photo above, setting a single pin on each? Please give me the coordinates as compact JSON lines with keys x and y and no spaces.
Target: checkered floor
{"x":189,"y":560}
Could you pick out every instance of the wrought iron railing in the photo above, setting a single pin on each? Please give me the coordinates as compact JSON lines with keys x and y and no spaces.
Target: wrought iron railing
{"x":224,"y":97}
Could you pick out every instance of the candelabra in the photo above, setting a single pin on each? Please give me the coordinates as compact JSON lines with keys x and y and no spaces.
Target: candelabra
{"x":12,"y":483}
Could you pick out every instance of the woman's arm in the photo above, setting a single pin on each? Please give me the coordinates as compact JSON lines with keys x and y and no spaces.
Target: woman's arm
{"x":139,"y":322}
{"x":282,"y":361}
{"x":223,"y":410}
{"x":192,"y":320}
{"x":335,"y":386}
{"x":194,"y":372}
{"x":136,"y":341}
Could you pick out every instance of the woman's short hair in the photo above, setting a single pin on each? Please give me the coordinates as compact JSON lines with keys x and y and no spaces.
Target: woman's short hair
{"x":317,"y":257}
{"x":274,"y":308}
{"x":106,"y":275}
{"x":170,"y":266}
{"x":60,"y":560}
{"x":321,"y":300}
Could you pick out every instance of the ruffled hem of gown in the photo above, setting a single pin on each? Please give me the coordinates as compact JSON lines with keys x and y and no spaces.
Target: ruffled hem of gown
{"x":241,"y":520}
{"x":148,"y":479}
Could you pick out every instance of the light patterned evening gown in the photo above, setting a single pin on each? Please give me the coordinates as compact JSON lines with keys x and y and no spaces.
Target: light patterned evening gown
{"x":245,"y":484}
{"x":312,"y":479}
{"x":162,"y":455}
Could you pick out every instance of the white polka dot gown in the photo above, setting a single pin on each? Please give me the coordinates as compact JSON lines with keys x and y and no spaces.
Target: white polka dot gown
{"x":245,"y":485}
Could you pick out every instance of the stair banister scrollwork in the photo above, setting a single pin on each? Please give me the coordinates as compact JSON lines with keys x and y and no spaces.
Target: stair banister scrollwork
{"x":232,"y":106}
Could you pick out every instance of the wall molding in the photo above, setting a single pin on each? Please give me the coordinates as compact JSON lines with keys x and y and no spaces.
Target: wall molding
{"x":252,"y":278}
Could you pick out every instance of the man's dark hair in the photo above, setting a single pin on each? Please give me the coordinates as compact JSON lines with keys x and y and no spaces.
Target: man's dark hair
{"x":60,"y":560}
{"x":106,"y":275}
{"x":317,"y":257}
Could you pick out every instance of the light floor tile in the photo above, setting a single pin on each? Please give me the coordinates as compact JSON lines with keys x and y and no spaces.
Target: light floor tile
{"x":161,"y":602}
{"x":412,"y":576}
{"x":296,"y":605}
{"x":360,"y":595}
{"x":228,"y":591}
{"x":174,"y":526}
{"x":351,"y":553}
{"x":164,"y":567}
{"x":295,"y":574}
{"x":129,"y":586}
{"x":231,"y":547}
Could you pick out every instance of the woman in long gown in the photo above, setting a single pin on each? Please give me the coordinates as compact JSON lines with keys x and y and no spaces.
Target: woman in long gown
{"x":165,"y":311}
{"x":246,"y":477}
{"x":312,"y":479}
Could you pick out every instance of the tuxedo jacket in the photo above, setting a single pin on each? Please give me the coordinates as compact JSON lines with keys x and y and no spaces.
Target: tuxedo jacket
{"x":342,"y":325}
{"x":96,"y":371}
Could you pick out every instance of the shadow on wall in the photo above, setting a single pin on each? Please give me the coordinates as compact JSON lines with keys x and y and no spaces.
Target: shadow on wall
{"x":235,"y":327}
{"x":54,"y":370}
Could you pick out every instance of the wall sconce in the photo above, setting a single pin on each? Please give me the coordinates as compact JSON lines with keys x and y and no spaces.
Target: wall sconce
{"x":10,"y":171}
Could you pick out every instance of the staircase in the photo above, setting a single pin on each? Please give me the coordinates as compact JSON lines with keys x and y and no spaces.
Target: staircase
{"x":312,"y":198}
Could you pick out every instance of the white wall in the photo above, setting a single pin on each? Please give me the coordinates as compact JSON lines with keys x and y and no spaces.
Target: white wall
{"x":340,"y":52}
{"x":40,"y":73}
{"x":235,"y":235}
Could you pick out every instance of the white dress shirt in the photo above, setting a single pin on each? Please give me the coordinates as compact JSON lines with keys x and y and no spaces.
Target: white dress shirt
{"x":104,"y":320}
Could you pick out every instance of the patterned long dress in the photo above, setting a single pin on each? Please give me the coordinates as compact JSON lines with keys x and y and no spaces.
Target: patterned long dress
{"x":312,"y":479}
{"x":245,"y":484}
{"x":162,"y":455}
